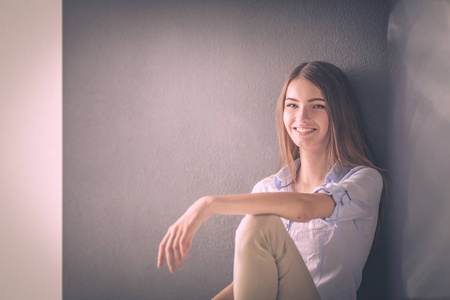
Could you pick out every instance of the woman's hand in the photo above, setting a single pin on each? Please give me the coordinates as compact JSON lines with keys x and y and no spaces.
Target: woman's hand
{"x":178,"y":239}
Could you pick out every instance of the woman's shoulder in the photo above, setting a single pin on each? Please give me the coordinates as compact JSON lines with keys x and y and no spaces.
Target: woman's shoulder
{"x":265,"y":185}
{"x":363,"y":170}
{"x":362,"y":175}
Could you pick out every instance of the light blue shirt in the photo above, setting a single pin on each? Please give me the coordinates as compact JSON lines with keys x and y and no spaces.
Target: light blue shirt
{"x":336,"y":248}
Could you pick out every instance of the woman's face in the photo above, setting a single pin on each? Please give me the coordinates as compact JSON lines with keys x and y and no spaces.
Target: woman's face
{"x":305,"y":115}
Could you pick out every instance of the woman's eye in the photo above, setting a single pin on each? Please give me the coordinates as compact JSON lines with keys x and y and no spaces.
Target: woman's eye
{"x":319,"y":106}
{"x":291,"y":105}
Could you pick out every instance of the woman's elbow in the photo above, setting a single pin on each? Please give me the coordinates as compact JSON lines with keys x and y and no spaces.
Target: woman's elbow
{"x":317,"y":208}
{"x":304,"y":213}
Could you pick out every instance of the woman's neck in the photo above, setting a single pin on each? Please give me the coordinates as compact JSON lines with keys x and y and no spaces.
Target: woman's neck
{"x":313,"y":169}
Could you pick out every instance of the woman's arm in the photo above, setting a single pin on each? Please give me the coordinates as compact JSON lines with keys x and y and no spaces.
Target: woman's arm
{"x":297,"y":207}
{"x":225,"y":294}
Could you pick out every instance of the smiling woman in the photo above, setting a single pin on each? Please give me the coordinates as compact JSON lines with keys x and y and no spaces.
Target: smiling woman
{"x":305,"y":116}
{"x":327,"y":193}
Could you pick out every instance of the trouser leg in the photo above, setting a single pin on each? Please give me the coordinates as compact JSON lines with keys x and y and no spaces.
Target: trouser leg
{"x":267,"y":264}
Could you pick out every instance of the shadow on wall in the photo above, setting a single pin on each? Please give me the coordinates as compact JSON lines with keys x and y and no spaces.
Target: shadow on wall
{"x":420,"y":33}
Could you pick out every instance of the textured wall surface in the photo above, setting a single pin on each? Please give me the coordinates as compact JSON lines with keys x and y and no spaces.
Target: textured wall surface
{"x":166,"y":101}
{"x":419,"y":33}
{"x":30,"y":150}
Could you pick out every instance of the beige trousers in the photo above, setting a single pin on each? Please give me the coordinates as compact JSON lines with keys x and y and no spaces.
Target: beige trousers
{"x":267,"y":264}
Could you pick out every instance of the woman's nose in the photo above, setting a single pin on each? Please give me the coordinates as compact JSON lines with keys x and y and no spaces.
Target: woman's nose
{"x":302,"y":113}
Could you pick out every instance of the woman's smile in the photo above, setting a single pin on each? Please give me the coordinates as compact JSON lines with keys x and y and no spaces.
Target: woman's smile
{"x":304,"y":130}
{"x":305,"y":115}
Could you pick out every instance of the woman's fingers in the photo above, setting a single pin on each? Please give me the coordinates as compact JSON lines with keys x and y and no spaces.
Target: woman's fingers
{"x":177,"y":250}
{"x":162,"y":250}
{"x":185,"y":245}
{"x":177,"y":242}
{"x":169,"y":251}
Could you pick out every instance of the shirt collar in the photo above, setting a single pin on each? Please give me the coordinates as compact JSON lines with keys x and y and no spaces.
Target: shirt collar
{"x":284,"y":178}
{"x":336,"y":173}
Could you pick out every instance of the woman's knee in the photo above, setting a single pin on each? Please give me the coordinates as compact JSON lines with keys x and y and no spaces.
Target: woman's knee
{"x":261,"y":220}
{"x":255,"y":229}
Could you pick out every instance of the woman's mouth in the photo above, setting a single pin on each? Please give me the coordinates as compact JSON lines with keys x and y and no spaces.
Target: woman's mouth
{"x":304,"y":130}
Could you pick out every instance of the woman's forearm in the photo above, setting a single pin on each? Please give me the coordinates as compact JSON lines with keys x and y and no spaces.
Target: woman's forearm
{"x":298,"y":207}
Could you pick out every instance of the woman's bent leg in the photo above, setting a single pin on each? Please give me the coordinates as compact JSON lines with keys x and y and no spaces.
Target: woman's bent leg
{"x":267,"y":264}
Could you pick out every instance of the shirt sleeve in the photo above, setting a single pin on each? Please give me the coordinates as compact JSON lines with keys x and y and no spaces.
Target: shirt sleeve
{"x":263,"y":185}
{"x":256,"y":188}
{"x":357,"y":195}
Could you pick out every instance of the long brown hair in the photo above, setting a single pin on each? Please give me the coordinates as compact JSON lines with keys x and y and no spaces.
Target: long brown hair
{"x":346,"y":143}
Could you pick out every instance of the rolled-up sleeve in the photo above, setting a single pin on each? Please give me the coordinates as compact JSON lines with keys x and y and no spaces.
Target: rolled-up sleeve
{"x":357,"y":195}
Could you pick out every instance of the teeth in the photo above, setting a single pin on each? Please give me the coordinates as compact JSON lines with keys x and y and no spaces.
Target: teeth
{"x":304,"y":129}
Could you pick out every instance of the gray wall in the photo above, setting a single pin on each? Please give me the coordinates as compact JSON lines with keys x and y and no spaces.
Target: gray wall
{"x":166,"y":101}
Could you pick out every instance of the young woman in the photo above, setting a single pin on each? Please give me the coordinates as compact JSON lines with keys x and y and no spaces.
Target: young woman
{"x":327,"y":194}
